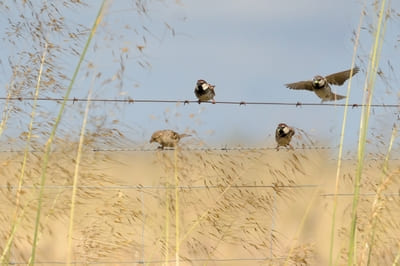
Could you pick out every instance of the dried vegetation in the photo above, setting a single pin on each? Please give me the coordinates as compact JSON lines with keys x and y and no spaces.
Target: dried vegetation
{"x":253,"y":207}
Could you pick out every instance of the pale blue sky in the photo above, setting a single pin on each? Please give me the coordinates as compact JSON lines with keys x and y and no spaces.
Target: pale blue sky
{"x":248,"y":48}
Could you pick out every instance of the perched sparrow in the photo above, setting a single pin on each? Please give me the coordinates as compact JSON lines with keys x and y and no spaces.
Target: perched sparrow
{"x":204,"y":91}
{"x":320,"y":85}
{"x":283,"y":135}
{"x":167,"y":138}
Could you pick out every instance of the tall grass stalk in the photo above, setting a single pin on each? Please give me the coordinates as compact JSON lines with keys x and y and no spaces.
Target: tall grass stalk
{"x":76,"y":176}
{"x":167,"y":218}
{"x":378,"y":196}
{"x":30,"y":127}
{"x":16,"y":222}
{"x":16,"y":219}
{"x":7,"y":110}
{"x":49,"y":213}
{"x":369,"y":89}
{"x":396,"y":261}
{"x":54,"y":130}
{"x":339,"y":162}
{"x":6,"y":113}
{"x":301,"y":225}
{"x":177,"y":244}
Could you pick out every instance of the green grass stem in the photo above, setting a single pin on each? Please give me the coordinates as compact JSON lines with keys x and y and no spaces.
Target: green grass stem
{"x":369,"y":89}
{"x":17,"y":218}
{"x":339,"y":162}
{"x":54,"y":130}
{"x":386,"y":178}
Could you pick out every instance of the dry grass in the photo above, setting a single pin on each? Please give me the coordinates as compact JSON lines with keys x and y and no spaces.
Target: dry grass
{"x":249,"y":207}
{"x":120,"y":207}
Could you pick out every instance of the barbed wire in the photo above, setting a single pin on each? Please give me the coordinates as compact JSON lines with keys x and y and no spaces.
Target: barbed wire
{"x":223,"y":148}
{"x":240,"y":103}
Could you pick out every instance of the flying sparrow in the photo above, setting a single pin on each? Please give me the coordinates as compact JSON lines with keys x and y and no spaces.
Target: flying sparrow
{"x":320,"y":85}
{"x":167,"y":138}
{"x":204,"y":91}
{"x":283,"y":135}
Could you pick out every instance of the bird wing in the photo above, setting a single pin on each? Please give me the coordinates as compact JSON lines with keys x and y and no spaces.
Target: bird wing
{"x":301,"y":85}
{"x":340,"y":77}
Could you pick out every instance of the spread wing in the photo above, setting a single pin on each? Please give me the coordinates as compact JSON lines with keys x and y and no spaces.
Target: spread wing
{"x":301,"y":85}
{"x":340,"y":77}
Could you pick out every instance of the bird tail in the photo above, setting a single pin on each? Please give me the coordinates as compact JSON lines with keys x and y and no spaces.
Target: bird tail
{"x":335,"y":97}
{"x":184,"y":135}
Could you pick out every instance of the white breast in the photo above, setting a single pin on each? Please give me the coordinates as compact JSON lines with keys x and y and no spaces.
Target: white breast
{"x":286,"y":130}
{"x":204,"y":86}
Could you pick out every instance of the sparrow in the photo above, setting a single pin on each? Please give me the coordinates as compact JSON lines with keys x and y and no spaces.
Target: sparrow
{"x":167,"y":138}
{"x":204,"y":91}
{"x":283,"y":135}
{"x":320,"y":84}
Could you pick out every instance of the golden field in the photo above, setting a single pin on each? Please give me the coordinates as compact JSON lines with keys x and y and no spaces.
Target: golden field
{"x":248,"y":207}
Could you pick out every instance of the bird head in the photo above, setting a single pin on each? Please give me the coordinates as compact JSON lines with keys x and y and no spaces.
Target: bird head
{"x":318,"y":81}
{"x":201,"y":82}
{"x":203,"y":85}
{"x":283,"y":128}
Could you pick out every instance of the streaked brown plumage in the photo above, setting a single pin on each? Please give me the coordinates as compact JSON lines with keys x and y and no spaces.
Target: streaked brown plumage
{"x":204,"y":91}
{"x":283,"y":135}
{"x":167,"y":138}
{"x":320,"y":84}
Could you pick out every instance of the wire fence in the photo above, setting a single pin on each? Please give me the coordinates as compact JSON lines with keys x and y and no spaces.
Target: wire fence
{"x":240,"y":103}
{"x":223,"y":148}
{"x":142,"y":188}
